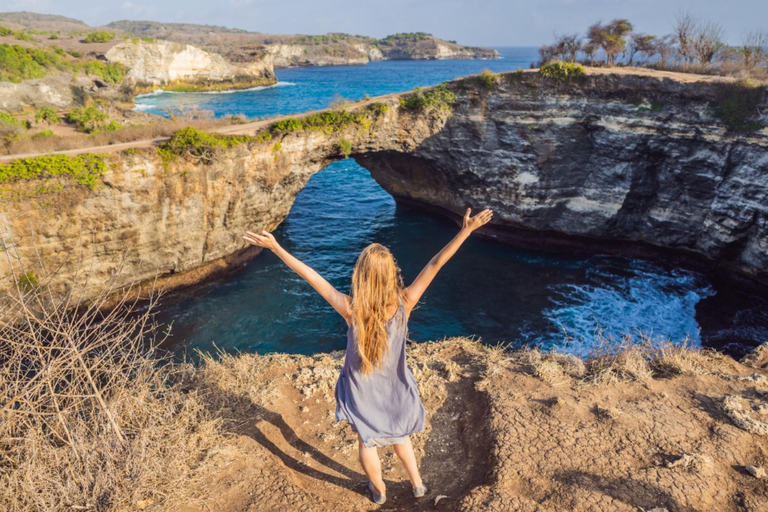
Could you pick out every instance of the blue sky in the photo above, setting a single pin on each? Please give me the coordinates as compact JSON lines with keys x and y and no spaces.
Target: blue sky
{"x":475,"y":22}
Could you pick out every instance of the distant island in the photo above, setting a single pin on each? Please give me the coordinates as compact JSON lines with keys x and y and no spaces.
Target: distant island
{"x":57,"y":62}
{"x":239,"y":46}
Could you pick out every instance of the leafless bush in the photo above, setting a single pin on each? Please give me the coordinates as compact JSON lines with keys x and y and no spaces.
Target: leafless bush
{"x":89,"y":418}
{"x":627,"y":363}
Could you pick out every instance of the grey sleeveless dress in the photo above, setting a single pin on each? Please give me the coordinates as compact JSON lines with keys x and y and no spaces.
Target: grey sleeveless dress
{"x":384,"y":406}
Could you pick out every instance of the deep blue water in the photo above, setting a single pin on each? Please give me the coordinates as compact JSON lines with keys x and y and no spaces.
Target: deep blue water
{"x":311,"y":88}
{"x":489,"y":290}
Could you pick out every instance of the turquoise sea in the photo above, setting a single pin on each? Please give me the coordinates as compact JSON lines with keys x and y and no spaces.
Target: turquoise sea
{"x":523,"y":296}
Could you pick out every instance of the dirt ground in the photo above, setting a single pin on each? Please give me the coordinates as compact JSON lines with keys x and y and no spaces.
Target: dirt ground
{"x":505,"y":431}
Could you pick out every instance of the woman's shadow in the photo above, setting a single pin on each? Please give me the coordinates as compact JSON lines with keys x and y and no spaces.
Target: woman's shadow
{"x":253,"y":427}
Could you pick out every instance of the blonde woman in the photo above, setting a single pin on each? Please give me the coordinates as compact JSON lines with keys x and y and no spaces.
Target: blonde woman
{"x":376,"y":392}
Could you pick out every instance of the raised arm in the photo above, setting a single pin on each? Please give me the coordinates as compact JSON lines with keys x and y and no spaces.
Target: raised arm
{"x":414,"y":292}
{"x":339,"y":301}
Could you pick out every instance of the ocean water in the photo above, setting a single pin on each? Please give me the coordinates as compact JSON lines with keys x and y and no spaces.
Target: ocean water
{"x":489,"y":290}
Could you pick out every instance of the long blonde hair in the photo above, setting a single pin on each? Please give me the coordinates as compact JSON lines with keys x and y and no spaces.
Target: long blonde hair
{"x":376,"y":285}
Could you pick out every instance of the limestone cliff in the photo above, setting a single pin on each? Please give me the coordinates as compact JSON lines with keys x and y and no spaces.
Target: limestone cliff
{"x":631,"y":159}
{"x":291,"y":55}
{"x":184,"y":219}
{"x":182,"y":66}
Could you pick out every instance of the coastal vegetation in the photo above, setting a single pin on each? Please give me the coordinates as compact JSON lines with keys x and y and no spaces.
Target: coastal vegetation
{"x":694,"y":45}
{"x":489,"y":80}
{"x":562,"y":72}
{"x":330,"y":121}
{"x":438,"y":98}
{"x":86,"y":169}
{"x":19,"y":63}
{"x":48,"y":115}
{"x":99,"y":36}
{"x":91,"y":119}
{"x":197,"y":145}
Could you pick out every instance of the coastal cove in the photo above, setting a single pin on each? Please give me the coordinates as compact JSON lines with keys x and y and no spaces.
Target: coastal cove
{"x":525,"y":296}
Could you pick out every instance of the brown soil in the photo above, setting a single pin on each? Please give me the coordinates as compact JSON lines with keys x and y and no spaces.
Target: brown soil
{"x":505,"y":431}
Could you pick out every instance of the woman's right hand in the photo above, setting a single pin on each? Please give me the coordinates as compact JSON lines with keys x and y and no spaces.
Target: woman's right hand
{"x":265,"y":239}
{"x":481,"y":219}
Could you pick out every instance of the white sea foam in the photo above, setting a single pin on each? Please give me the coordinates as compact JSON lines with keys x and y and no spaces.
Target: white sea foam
{"x":639,"y":300}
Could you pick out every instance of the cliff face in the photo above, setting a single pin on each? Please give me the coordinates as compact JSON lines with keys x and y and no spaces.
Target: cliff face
{"x":164,"y":63}
{"x":290,"y":55}
{"x":619,"y":158}
{"x":633,"y":158}
{"x":183,"y":222}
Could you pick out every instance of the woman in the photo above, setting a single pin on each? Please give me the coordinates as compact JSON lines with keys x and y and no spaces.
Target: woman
{"x":376,"y":392}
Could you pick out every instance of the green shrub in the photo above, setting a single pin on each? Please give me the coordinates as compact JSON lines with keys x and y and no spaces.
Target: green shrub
{"x":736,"y":105}
{"x":263,"y":137}
{"x":111,"y":73}
{"x":43,"y":134}
{"x":84,"y":169}
{"x":289,"y":125}
{"x":562,"y":72}
{"x":28,"y":281}
{"x":111,"y":126}
{"x":99,"y":36}
{"x":18,"y":63}
{"x":489,"y":80}
{"x":8,"y":121}
{"x":75,"y":53}
{"x":47,"y":114}
{"x":377,"y":109}
{"x":22,"y":35}
{"x":198,"y":145}
{"x":437,"y":98}
{"x":88,"y":119}
{"x":328,"y":121}
{"x":345,"y":147}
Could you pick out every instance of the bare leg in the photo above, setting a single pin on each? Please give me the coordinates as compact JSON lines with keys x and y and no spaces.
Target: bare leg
{"x":404,"y":452}
{"x":369,"y":459}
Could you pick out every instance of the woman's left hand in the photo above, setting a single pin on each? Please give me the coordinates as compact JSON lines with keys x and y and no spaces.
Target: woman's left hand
{"x":265,"y":239}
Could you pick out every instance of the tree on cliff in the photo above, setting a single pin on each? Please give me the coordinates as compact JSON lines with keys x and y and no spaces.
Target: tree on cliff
{"x":641,"y":45}
{"x":754,"y":48}
{"x":566,"y":48}
{"x":611,"y":38}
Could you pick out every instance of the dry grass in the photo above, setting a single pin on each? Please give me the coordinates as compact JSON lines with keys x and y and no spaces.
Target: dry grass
{"x":89,"y":419}
{"x":627,"y":363}
{"x":682,"y":359}
{"x":632,"y":360}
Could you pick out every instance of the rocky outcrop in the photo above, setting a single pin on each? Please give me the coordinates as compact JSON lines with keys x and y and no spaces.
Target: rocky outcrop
{"x":633,"y":157}
{"x":182,"y":221}
{"x":182,"y":66}
{"x":291,"y":55}
{"x":637,"y":159}
{"x":55,"y":91}
{"x":59,"y":90}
